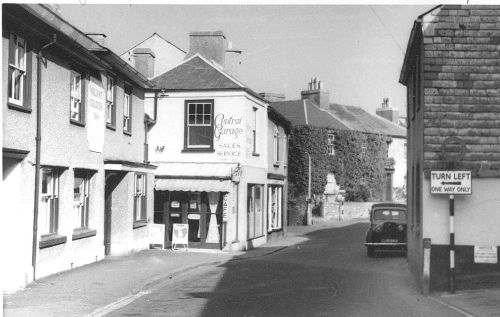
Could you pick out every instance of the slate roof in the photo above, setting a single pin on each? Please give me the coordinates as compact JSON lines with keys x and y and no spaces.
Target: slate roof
{"x":304,"y":112}
{"x":198,"y":74}
{"x":340,"y":117}
{"x":195,"y":73}
{"x":360,"y":120}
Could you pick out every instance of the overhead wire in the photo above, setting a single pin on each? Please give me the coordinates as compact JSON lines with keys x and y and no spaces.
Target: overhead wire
{"x":387,"y":30}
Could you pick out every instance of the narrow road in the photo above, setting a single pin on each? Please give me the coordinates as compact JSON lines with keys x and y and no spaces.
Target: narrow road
{"x":328,"y":275}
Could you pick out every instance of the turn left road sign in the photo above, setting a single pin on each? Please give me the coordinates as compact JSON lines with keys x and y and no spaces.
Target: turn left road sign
{"x":451,"y":182}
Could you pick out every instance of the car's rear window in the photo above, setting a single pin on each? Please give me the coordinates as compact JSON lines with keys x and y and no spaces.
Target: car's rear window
{"x":388,"y":214}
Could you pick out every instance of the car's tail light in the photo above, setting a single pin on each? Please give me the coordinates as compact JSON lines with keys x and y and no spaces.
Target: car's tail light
{"x":401,"y":227}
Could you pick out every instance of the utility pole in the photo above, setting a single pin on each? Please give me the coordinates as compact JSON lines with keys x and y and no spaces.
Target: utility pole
{"x":309,"y":207}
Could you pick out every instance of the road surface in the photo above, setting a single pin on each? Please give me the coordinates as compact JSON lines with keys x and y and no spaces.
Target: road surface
{"x":328,"y":275}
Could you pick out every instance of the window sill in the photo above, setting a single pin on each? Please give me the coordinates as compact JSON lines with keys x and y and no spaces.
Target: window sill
{"x":127,"y":133}
{"x":276,"y":164}
{"x":255,"y":154}
{"x":198,"y":150}
{"x":111,"y":127}
{"x":78,"y":123}
{"x":81,"y":233}
{"x":18,"y":107}
{"x":140,"y":224}
{"x":50,"y":240}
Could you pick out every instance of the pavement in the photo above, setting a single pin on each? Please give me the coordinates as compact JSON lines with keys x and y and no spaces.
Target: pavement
{"x":102,"y":287}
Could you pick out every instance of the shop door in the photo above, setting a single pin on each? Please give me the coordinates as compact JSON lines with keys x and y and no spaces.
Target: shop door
{"x":202,"y":211}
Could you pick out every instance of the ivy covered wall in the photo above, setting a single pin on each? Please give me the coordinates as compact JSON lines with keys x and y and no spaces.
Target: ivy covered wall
{"x":358,"y":165}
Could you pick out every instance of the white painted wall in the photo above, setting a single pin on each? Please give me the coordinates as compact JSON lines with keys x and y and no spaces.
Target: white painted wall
{"x":397,"y":150}
{"x":477,"y":216}
{"x":167,"y":55}
{"x":232,"y":141}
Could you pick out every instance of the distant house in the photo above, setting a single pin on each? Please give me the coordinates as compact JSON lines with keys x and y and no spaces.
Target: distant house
{"x":154,"y":56}
{"x":315,"y":109}
{"x":397,"y":148}
{"x":221,"y":153}
{"x":452,"y":76}
{"x":76,"y":184}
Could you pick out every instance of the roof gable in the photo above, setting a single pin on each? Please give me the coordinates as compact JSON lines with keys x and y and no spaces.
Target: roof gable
{"x":195,"y":73}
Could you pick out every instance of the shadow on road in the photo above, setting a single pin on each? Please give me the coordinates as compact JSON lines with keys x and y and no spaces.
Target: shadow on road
{"x":326,"y":275}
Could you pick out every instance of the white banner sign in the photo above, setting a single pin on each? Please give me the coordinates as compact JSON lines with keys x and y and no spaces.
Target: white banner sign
{"x":95,"y":118}
{"x":451,"y":182}
{"x":485,"y":254}
{"x":156,"y":233}
{"x":180,"y":232}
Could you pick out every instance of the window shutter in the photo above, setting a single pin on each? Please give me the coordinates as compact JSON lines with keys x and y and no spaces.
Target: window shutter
{"x":29,"y":74}
{"x":130,"y":112}
{"x":143,"y":198}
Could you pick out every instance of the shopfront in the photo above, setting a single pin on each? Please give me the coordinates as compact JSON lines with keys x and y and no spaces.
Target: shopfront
{"x":201,"y":210}
{"x":197,"y":194}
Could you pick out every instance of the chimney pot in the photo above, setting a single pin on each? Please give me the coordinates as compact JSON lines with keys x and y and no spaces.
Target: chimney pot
{"x":316,"y":94}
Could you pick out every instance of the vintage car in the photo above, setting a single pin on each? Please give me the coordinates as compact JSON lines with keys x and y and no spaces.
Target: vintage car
{"x":387,"y":229}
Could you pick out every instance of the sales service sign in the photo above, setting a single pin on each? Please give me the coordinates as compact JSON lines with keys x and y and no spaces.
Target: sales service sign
{"x":451,"y":182}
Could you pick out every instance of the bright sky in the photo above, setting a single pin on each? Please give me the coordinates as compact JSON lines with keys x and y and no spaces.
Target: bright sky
{"x":357,"y":51}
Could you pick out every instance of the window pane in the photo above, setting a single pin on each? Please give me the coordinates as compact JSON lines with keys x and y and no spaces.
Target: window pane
{"x":199,"y":108}
{"x":199,"y":119}
{"x":126,"y":102}
{"x":45,"y":181}
{"x":21,"y":46}
{"x":109,"y":89}
{"x":78,"y":189}
{"x":200,"y":135}
{"x":206,"y":119}
{"x":207,"y":108}
{"x":191,"y":119}
{"x":192,"y":108}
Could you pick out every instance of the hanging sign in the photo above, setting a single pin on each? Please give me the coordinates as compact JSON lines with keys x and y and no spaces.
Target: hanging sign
{"x":95,"y":118}
{"x":485,"y":254}
{"x":180,"y":235}
{"x":451,"y":182}
{"x":225,"y":208}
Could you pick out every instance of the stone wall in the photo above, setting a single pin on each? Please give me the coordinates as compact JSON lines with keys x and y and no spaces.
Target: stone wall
{"x":461,"y":66}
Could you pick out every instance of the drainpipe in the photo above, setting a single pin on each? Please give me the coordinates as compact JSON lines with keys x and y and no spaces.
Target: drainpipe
{"x":38,"y":140}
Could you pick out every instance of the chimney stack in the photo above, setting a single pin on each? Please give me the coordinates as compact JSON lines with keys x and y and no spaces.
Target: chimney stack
{"x":210,"y":45}
{"x":144,"y":61}
{"x":316,"y":94}
{"x":387,"y":112}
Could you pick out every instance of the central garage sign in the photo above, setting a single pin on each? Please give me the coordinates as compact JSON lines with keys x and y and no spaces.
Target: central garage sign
{"x":451,"y":182}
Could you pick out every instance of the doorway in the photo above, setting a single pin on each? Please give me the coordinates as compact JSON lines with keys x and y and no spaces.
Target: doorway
{"x":202,"y":211}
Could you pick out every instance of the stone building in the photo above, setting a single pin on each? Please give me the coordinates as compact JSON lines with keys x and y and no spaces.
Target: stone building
{"x":452,"y":74}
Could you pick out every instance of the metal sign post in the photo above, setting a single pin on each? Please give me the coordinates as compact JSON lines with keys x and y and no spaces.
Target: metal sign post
{"x":451,"y":183}
{"x":451,"y":277}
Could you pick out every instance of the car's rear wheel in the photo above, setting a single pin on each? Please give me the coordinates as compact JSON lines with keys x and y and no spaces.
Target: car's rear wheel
{"x":370,"y":251}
